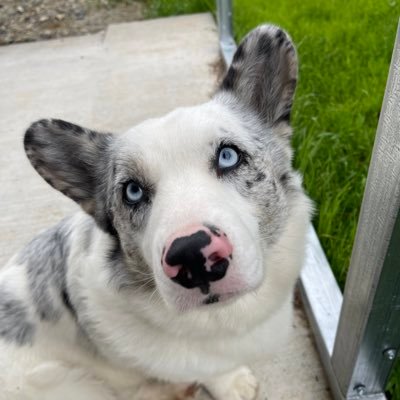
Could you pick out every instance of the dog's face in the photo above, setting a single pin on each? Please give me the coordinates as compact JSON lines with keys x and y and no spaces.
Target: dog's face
{"x":195,"y":199}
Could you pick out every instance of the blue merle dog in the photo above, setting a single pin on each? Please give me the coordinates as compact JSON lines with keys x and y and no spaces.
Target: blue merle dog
{"x":182,"y":262}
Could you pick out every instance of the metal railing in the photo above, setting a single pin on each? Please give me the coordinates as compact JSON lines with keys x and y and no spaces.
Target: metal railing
{"x":357,"y":334}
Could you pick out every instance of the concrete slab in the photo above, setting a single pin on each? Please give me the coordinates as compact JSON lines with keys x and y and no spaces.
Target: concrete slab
{"x":295,"y":373}
{"x":44,"y":79}
{"x":157,"y":69}
{"x":111,"y":81}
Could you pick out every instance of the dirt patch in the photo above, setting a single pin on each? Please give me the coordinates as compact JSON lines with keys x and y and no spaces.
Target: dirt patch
{"x":30,"y":20}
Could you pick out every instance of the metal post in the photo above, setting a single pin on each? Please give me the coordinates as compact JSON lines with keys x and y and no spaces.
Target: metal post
{"x":368,"y":335}
{"x":226,"y":41}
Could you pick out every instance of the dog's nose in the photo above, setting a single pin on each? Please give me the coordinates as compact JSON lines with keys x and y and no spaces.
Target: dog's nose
{"x":197,"y":255}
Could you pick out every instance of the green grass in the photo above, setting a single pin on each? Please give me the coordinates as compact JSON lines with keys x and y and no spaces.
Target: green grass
{"x":344,"y":49}
{"x":165,"y":8}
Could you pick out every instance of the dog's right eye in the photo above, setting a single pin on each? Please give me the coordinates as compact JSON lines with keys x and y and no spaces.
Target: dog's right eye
{"x":228,"y":158}
{"x":133,"y":193}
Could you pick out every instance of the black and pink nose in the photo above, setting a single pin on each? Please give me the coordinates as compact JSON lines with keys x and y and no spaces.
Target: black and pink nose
{"x":196,"y":256}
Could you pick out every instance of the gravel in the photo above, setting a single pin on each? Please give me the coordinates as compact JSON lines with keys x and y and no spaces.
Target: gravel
{"x":31,"y":20}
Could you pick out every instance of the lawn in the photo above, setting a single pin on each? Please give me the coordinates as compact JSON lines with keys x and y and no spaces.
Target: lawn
{"x":345,"y":49}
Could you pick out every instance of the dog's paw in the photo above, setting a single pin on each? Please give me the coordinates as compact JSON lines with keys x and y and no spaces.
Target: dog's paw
{"x":241,"y":384}
{"x":245,"y":385}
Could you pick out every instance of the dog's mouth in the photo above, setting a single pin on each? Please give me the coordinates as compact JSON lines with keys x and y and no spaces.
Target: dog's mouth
{"x":212,"y":298}
{"x":195,"y":300}
{"x":217,"y":298}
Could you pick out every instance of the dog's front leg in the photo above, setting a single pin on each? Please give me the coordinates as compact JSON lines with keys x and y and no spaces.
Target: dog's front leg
{"x":240,"y":384}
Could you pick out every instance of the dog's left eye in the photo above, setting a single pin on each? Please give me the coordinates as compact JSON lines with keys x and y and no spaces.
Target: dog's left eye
{"x":228,"y":158}
{"x":133,"y":193}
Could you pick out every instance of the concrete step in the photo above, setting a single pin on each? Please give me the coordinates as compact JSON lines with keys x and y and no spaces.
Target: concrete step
{"x":110,"y":81}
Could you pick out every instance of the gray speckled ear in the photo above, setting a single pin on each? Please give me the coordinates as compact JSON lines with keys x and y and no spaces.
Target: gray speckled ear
{"x":263,"y":74}
{"x":71,"y":159}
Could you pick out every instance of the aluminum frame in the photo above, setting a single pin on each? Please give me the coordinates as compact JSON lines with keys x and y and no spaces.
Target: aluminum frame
{"x":358,"y":334}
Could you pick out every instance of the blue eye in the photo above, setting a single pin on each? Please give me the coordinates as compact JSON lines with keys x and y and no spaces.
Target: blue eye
{"x":228,"y":158}
{"x":133,"y":193}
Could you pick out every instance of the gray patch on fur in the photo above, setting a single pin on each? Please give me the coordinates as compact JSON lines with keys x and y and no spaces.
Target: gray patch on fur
{"x":46,"y":259}
{"x":260,"y":193}
{"x":15,"y":325}
{"x":259,"y":180}
{"x":127,"y":267}
{"x":133,"y":274}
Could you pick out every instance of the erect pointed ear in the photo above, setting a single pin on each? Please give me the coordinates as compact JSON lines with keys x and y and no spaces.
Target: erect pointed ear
{"x":263,"y":74}
{"x":71,"y":159}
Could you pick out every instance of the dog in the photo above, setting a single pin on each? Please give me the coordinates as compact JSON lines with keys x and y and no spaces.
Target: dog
{"x":182,"y":263}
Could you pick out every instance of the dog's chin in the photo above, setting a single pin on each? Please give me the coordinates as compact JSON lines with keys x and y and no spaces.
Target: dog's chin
{"x":199,"y":301}
{"x":190,"y":299}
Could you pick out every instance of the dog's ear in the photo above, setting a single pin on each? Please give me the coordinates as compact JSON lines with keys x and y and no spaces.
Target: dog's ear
{"x":71,"y":159}
{"x":263,"y":74}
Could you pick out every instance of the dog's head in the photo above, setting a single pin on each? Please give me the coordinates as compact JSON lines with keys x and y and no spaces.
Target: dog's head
{"x":199,"y":197}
